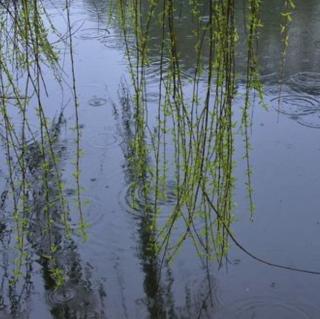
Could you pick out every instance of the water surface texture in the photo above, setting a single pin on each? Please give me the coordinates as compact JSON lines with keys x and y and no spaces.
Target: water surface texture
{"x":117,"y":272}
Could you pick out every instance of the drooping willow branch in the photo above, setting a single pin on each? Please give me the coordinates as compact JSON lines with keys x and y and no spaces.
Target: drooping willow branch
{"x":201,"y":128}
{"x":26,"y":55}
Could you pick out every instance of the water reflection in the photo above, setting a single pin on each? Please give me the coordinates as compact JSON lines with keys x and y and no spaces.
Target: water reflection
{"x":306,"y":82}
{"x":70,"y":291}
{"x":298,"y":65}
{"x":173,"y":146}
{"x":302,"y":33}
{"x":158,"y":280}
{"x":76,"y":296}
{"x":265,"y":307}
{"x":13,"y":297}
{"x":51,"y":232}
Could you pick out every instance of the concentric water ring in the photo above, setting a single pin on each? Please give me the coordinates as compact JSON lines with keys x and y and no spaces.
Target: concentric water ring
{"x":267,"y":307}
{"x":134,"y":201}
{"x":295,"y":105}
{"x":93,"y":33}
{"x":61,"y":296}
{"x":97,"y":101}
{"x":308,"y":82}
{"x":311,"y":120}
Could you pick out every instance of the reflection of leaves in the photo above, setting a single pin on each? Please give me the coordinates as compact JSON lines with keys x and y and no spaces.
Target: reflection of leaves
{"x":58,"y":277}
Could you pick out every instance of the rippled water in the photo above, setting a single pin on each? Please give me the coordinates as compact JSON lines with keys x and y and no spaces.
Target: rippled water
{"x":97,"y":101}
{"x":308,"y":82}
{"x":295,"y":105}
{"x":115,"y":274}
{"x":265,"y":307}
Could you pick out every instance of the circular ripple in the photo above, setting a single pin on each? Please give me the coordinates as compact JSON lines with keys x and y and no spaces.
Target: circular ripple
{"x":308,"y":82}
{"x":295,"y":105}
{"x":116,"y":41}
{"x":61,"y":296}
{"x":101,"y":140}
{"x":266,"y":308}
{"x":93,"y":210}
{"x":136,"y":201}
{"x":153,"y":71}
{"x":79,"y":300}
{"x":97,"y":101}
{"x":93,"y":33}
{"x":311,"y":120}
{"x":271,"y":90}
{"x":168,"y":196}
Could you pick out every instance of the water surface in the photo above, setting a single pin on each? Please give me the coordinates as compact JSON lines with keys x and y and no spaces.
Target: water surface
{"x":114,"y":274}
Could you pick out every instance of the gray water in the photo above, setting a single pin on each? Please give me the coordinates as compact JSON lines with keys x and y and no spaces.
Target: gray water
{"x":113,"y":273}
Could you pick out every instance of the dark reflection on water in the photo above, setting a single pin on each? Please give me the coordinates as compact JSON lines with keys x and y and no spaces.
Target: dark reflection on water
{"x":185,"y":288}
{"x":159,"y":300}
{"x":77,"y":296}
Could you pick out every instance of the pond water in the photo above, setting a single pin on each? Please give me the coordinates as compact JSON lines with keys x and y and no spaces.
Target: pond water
{"x":115,"y":273}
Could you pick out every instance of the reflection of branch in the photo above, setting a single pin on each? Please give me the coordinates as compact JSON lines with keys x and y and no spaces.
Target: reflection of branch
{"x":82,"y":225}
{"x":246,"y":251}
{"x":13,"y":97}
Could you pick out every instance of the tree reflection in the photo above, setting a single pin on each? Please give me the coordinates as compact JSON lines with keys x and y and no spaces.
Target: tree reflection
{"x":35,"y":220}
{"x":158,"y":277}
